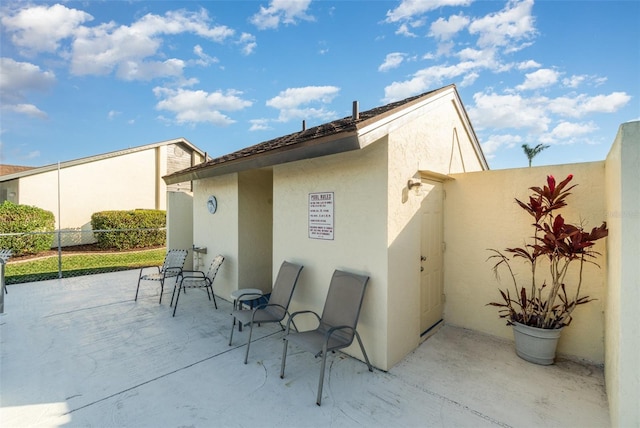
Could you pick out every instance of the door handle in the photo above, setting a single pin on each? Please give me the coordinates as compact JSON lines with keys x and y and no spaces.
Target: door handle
{"x":423,"y":258}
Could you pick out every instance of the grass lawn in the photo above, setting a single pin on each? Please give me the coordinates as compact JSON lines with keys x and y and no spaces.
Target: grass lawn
{"x":80,"y":264}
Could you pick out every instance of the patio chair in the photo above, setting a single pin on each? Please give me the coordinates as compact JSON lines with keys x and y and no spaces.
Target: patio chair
{"x":171,"y":268}
{"x":198,"y":279}
{"x":337,"y":325}
{"x":275,"y":309}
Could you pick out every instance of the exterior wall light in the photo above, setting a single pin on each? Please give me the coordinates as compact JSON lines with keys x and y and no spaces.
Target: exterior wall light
{"x":414,"y":183}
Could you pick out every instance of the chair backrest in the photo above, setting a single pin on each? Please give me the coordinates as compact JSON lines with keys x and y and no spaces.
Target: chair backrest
{"x":343,"y":304}
{"x":174,"y":259}
{"x":215,"y":265}
{"x":283,"y":288}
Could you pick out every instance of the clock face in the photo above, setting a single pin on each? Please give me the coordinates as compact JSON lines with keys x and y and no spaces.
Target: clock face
{"x":212,"y":204}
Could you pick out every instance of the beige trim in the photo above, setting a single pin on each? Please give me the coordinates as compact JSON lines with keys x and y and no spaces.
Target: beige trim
{"x":434,"y":176}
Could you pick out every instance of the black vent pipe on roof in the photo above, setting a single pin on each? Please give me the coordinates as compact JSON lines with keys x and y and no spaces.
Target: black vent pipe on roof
{"x":356,"y":112}
{"x":304,"y":125}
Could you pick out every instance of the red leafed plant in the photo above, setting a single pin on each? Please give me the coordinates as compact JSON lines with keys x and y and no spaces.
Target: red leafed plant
{"x":547,"y":305}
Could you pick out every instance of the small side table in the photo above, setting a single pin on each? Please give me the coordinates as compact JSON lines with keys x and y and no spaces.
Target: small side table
{"x":245,"y":295}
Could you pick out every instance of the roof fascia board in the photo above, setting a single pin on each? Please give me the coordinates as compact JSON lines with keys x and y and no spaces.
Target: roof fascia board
{"x":378,"y":129}
{"x":308,"y":150}
{"x":95,"y":158}
{"x":468,"y":127}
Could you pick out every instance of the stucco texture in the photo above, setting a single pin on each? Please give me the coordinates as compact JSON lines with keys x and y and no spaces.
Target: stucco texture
{"x":480,"y":213}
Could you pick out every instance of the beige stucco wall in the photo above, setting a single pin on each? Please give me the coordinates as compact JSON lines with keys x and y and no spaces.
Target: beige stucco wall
{"x":434,"y":140}
{"x":358,"y":180}
{"x":480,"y":213}
{"x":255,"y":211}
{"x":622,"y":347}
{"x":218,"y":232}
{"x":180,"y":224}
{"x":120,"y":183}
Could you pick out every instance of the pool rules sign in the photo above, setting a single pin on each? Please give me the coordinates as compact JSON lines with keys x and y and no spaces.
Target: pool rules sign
{"x":321,"y":215}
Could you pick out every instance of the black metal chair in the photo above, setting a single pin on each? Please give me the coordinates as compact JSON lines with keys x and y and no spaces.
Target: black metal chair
{"x":198,"y":279}
{"x":171,"y":268}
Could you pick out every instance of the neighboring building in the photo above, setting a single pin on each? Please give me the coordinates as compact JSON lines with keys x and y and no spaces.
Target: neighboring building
{"x":121,"y":180}
{"x":409,"y":202}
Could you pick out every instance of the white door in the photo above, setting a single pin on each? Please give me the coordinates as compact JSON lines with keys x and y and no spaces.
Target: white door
{"x":431,"y":275}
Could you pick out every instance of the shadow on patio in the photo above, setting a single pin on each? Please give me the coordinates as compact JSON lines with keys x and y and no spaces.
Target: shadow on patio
{"x":81,"y":352}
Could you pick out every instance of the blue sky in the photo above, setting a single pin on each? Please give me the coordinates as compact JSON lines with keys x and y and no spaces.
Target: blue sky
{"x":83,"y":78}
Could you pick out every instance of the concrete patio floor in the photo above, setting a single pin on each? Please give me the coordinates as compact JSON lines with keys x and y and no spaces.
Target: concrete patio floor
{"x":81,"y":352}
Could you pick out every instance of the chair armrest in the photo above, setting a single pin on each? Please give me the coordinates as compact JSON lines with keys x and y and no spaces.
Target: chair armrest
{"x":148,"y":267}
{"x":172,"y":269}
{"x":295,"y":314}
{"x":264,"y":306}
{"x":193,"y":274}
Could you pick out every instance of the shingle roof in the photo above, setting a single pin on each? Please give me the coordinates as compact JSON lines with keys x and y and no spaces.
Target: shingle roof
{"x":327,"y":130}
{"x":26,"y":171}
{"x":12,"y":169}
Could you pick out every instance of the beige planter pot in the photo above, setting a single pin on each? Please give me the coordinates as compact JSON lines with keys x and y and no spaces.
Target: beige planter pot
{"x":536,"y":345}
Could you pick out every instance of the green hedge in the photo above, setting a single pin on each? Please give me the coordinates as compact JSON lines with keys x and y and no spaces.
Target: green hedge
{"x":155,"y":220}
{"x":16,"y":218}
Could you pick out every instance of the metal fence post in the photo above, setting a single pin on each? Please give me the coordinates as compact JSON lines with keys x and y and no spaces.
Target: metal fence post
{"x":1,"y":285}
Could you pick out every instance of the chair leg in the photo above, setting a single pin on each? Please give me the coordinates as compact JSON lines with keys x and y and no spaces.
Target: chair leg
{"x":284,"y":357}
{"x":137,"y":288}
{"x":246,"y":355}
{"x":366,"y":359}
{"x":214,"y":298}
{"x":174,"y":293}
{"x":161,"y":291}
{"x":175,"y":308}
{"x":233,"y":327}
{"x":321,"y":381}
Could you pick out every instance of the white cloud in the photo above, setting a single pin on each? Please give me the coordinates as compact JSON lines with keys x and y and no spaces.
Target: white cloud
{"x":444,"y":29}
{"x":409,"y":9}
{"x":494,"y":142}
{"x":391,"y":61}
{"x":26,"y":109}
{"x":510,"y":111}
{"x":583,"y":104}
{"x":259,"y":125}
{"x":41,"y":28}
{"x":281,"y":12}
{"x":403,"y":30}
{"x":127,"y":49}
{"x":113,"y":114}
{"x":197,"y":106}
{"x":525,"y":65}
{"x":19,"y":78}
{"x":541,"y":78}
{"x":290,"y":102}
{"x":248,"y":42}
{"x":512,"y":24}
{"x":426,"y":79}
{"x":566,"y":130}
{"x":205,"y":59}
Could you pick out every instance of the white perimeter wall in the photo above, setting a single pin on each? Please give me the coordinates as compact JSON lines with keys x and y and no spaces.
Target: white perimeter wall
{"x":480,"y":213}
{"x":622,"y":362}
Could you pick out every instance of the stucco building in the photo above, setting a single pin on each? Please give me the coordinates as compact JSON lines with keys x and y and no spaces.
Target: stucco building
{"x":402,"y":193}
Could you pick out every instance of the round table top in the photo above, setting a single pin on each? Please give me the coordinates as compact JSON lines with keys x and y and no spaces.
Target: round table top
{"x":247,"y":294}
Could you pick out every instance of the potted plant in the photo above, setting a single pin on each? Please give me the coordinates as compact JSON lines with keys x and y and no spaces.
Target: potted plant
{"x":539,"y":310}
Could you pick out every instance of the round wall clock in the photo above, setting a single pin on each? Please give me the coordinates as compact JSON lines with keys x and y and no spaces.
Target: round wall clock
{"x":212,"y":204}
